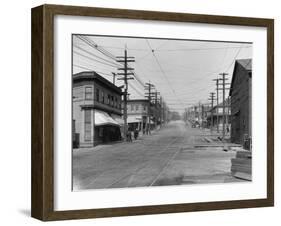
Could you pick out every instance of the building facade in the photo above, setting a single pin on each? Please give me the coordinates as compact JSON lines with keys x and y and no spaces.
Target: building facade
{"x":96,"y":110}
{"x":219,"y":117}
{"x":198,"y":115}
{"x":241,"y":100}
{"x":137,"y":112}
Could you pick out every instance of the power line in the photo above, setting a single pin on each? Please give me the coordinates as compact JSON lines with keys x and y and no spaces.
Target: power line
{"x":161,"y":69}
{"x":90,"y":53}
{"x":106,"y":53}
{"x":99,"y":72}
{"x":144,"y":56}
{"x":234,"y":58}
{"x":203,"y":49}
{"x":134,"y":88}
{"x":90,"y":58}
{"x":89,"y":69}
{"x":96,"y":66}
{"x":182,"y":49}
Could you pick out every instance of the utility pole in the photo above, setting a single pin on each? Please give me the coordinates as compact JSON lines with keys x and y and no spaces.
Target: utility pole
{"x":223,"y":103}
{"x":202,"y":115}
{"x":199,"y":115}
{"x":155,"y":100}
{"x":126,"y":72}
{"x":212,"y":97}
{"x":217,"y":108}
{"x":164,"y":112}
{"x":161,"y":107}
{"x":149,"y":87}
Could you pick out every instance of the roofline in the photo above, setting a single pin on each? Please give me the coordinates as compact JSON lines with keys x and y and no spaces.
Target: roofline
{"x":233,"y":74}
{"x":92,"y":75}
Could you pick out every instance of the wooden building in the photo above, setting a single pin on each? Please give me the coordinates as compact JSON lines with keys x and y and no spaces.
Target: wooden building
{"x":137,"y":110}
{"x":241,"y":100}
{"x":96,"y":110}
{"x":219,"y":117}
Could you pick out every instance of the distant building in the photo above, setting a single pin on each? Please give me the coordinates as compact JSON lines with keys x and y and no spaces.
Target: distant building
{"x":198,"y":115}
{"x":218,"y":116}
{"x":241,"y":100}
{"x":96,"y":110}
{"x":137,"y":110}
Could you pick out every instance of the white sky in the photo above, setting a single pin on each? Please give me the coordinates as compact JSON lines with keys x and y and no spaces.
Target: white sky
{"x":181,"y":70}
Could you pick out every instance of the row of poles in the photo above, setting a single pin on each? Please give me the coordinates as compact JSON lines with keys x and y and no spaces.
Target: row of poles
{"x":152,"y":95}
{"x":127,"y":72}
{"x":221,"y":85}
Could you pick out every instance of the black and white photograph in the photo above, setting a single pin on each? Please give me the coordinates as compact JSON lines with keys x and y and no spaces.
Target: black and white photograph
{"x":152,"y":111}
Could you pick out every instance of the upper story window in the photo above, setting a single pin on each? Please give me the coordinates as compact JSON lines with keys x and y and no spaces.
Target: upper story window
{"x":98,"y":95}
{"x":115,"y":102}
{"x":132,"y":107}
{"x":102,"y":97}
{"x":137,"y":107}
{"x":88,"y":93}
{"x":108,"y":99}
{"x":144,"y":107}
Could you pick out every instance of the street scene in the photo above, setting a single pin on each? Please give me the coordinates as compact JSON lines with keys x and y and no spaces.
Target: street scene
{"x":160,"y":112}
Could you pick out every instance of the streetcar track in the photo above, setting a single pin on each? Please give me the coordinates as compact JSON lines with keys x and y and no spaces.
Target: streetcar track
{"x":153,"y":150}
{"x":168,"y":161}
{"x":147,"y":164}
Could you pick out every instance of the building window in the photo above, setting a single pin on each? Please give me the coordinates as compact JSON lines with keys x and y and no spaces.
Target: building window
{"x":88,"y":93}
{"x":115,"y":103}
{"x":108,"y":99}
{"x":98,"y":95}
{"x":144,"y":107}
{"x":132,"y":107}
{"x":102,"y":97}
{"x":137,"y":107}
{"x":112,"y":101}
{"x":87,"y":125}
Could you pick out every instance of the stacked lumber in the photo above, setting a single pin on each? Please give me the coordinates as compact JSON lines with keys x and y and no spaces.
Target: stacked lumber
{"x":241,"y":165}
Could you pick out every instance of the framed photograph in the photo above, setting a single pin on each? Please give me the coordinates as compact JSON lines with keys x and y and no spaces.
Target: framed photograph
{"x":142,"y":112}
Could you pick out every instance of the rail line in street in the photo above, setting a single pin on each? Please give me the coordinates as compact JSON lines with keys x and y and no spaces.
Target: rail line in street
{"x":169,"y":160}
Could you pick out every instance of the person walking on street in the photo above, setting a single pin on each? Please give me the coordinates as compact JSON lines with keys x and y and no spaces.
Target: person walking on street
{"x":129,"y":136}
{"x":136,"y":133}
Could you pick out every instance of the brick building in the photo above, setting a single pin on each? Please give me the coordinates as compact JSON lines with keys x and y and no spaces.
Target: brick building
{"x":96,"y":110}
{"x":241,"y":100}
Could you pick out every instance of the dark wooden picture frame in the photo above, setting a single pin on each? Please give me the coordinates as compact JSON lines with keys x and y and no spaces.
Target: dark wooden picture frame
{"x":42,"y":203}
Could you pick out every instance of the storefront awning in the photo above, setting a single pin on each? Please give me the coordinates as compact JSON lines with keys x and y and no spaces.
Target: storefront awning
{"x":119,"y":120}
{"x":134,"y":119}
{"x":102,"y":118}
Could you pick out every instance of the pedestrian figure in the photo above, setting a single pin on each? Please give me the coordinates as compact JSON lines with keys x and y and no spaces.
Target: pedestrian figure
{"x":227,"y":129}
{"x":129,"y":136}
{"x":136,"y":134}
